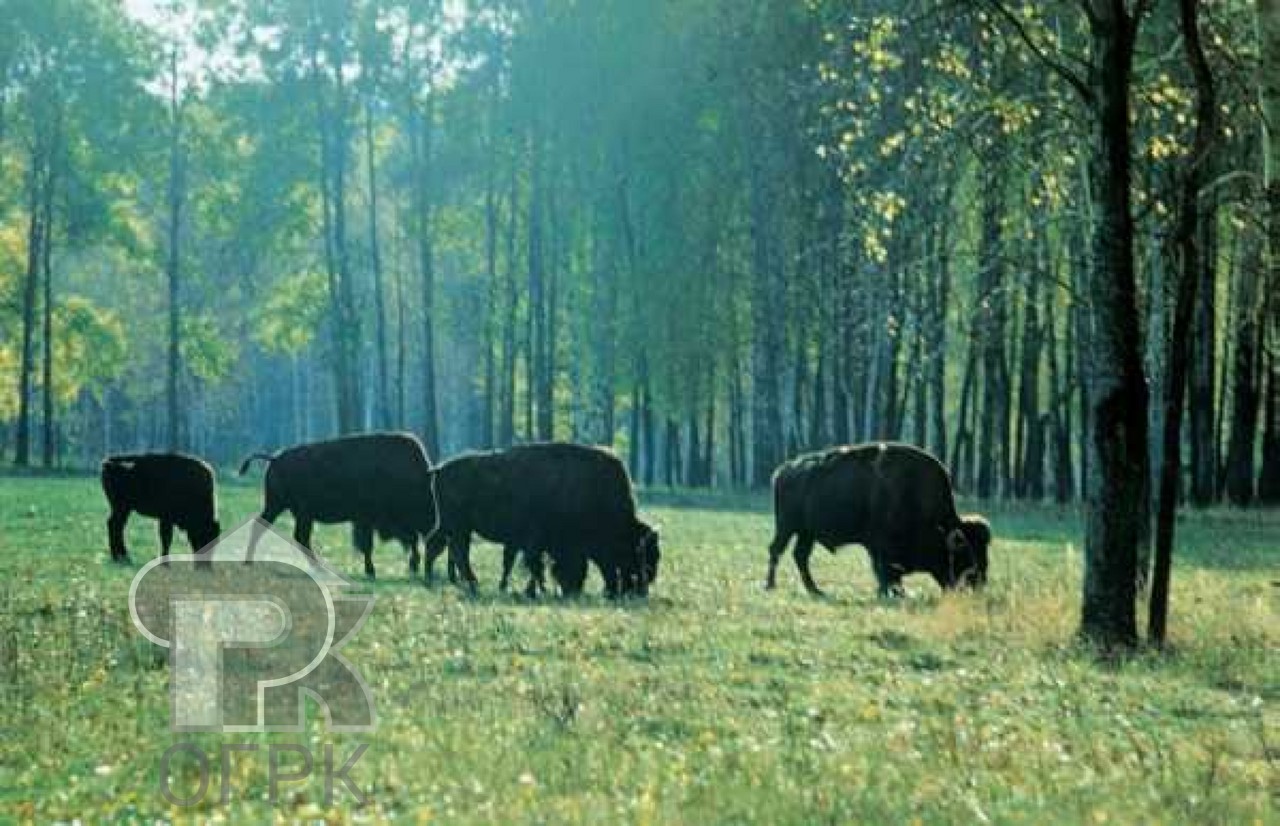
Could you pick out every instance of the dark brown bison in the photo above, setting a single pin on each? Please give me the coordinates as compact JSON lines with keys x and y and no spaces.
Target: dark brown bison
{"x":893,"y":499}
{"x":570,"y":502}
{"x":381,"y":482}
{"x":175,"y":489}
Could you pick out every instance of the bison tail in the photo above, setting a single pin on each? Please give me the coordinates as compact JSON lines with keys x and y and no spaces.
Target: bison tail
{"x":432,"y":475}
{"x":266,"y":457}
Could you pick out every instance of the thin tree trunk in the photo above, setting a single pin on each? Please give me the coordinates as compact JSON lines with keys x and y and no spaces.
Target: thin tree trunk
{"x":1245,"y":376}
{"x":1031,"y":471}
{"x":767,"y":305}
{"x":1268,"y":12}
{"x":423,"y":117}
{"x":383,"y":413}
{"x":938,"y":333}
{"x":36,"y":175}
{"x":962,"y":445}
{"x":1203,"y":355}
{"x":990,"y":323}
{"x":507,"y":409}
{"x":46,"y":267}
{"x":177,"y":187}
{"x":1060,"y":411}
{"x":1193,"y":260}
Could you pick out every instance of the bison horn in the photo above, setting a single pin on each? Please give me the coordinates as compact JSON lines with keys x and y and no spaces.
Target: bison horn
{"x":956,"y":541}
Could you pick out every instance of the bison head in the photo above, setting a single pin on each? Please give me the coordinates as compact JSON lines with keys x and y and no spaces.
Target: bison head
{"x":648,"y":554}
{"x":967,"y":553}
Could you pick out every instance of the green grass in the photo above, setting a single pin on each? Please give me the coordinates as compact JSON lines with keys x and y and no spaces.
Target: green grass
{"x":713,"y":702}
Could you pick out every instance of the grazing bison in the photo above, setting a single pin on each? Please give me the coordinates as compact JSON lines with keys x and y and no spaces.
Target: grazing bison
{"x":894,"y":499}
{"x":175,"y":489}
{"x":381,"y":482}
{"x":570,"y":502}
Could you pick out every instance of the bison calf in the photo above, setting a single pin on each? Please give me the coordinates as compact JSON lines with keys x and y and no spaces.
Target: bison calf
{"x":177,"y":490}
{"x":893,"y":499}
{"x":571,"y":502}
{"x":381,"y":482}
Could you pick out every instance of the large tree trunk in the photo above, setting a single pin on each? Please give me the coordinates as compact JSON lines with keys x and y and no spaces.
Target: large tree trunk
{"x":1117,"y":396}
{"x":1193,"y":260}
{"x":1269,"y":75}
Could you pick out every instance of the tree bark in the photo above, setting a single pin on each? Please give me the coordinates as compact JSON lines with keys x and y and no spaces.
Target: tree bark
{"x":37,"y":172}
{"x":382,"y":415}
{"x":1203,"y":355}
{"x":1193,"y":262}
{"x":422,"y":117}
{"x":511,"y":305}
{"x":1245,"y":375}
{"x":1268,"y":12}
{"x":48,"y":443}
{"x":990,"y":319}
{"x":177,"y":186}
{"x":1117,"y":396}
{"x":766,"y":419}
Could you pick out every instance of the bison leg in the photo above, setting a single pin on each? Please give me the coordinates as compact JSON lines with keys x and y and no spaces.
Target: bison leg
{"x":776,"y":549}
{"x":612,"y":581}
{"x":363,"y":536}
{"x":435,"y":546}
{"x":460,"y":559}
{"x":115,"y":535}
{"x":509,"y":554}
{"x":888,"y":577}
{"x":302,"y":533}
{"x":415,"y":560}
{"x":570,"y":571}
{"x":533,"y":560}
{"x":803,"y":552}
{"x":269,"y":515}
{"x":166,"y":538}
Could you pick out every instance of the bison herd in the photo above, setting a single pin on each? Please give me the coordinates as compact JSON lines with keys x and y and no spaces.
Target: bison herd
{"x":570,"y":506}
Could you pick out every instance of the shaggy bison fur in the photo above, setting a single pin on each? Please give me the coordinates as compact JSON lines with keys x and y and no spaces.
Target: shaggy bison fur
{"x":177,"y":490}
{"x":893,"y":499}
{"x":570,"y":502}
{"x":381,"y":482}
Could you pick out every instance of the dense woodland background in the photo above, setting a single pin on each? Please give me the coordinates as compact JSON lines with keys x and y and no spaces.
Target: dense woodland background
{"x":709,"y":233}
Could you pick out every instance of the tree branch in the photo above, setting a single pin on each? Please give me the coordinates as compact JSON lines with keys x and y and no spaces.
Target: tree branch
{"x":1057,"y":66}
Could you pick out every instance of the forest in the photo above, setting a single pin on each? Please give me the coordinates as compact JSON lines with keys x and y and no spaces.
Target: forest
{"x":708,"y":237}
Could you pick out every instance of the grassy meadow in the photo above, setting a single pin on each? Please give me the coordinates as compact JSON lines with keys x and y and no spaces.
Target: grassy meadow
{"x":713,"y":702}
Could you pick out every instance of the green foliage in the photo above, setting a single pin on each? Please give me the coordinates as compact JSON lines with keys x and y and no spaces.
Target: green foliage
{"x":89,"y":348}
{"x":288,"y":319}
